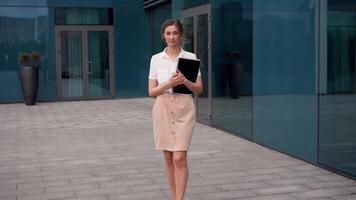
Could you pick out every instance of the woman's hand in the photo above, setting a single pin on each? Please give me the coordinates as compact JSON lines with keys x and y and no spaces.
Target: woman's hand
{"x":177,"y":79}
{"x":155,"y":90}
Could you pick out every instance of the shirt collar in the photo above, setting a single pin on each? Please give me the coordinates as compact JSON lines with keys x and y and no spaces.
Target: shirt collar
{"x":180,"y":55}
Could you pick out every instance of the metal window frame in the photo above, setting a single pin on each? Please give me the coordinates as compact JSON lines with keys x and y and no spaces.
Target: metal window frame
{"x":195,"y":12}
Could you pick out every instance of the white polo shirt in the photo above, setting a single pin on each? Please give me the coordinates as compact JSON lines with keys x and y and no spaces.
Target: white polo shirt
{"x":162,"y":67}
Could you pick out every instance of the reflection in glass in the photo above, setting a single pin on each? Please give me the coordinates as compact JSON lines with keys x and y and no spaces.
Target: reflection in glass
{"x":188,"y":24}
{"x":132,"y":51}
{"x":341,"y":51}
{"x":158,"y":15}
{"x":98,"y":63}
{"x":232,"y":66}
{"x":337,"y":135}
{"x":23,"y":29}
{"x":284,"y":76}
{"x":71,"y":64}
{"x":193,"y":3}
{"x":90,"y":16}
{"x":23,"y":3}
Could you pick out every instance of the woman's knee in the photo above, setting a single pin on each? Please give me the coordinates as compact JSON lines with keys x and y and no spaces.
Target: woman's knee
{"x":180,"y":160}
{"x":168,"y":158}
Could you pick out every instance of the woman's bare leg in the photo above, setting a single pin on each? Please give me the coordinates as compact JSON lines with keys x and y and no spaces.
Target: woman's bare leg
{"x":169,"y":168}
{"x":180,"y":173}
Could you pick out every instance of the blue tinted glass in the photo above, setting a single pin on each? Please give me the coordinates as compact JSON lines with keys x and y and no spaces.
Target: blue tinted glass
{"x":86,"y":3}
{"x":192,"y":3}
{"x":71,"y":64}
{"x":337,"y":144}
{"x":23,"y":3}
{"x":232,"y":66}
{"x":132,"y":42}
{"x":157,"y":16}
{"x":24,"y":29}
{"x":284,"y":63}
{"x":98,"y":54}
{"x":87,"y":16}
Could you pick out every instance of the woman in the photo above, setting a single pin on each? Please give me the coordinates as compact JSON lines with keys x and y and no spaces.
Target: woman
{"x":173,"y":114}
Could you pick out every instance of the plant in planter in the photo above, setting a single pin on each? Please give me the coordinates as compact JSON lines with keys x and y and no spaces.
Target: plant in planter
{"x":29,"y":75}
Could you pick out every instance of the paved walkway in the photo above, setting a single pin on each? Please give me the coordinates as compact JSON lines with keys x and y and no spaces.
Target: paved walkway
{"x":103,"y":150}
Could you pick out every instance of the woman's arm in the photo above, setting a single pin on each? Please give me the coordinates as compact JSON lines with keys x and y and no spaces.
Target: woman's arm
{"x":196,"y":87}
{"x":155,"y":90}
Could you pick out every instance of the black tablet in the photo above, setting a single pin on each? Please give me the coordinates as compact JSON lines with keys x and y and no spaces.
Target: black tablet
{"x":190,"y":69}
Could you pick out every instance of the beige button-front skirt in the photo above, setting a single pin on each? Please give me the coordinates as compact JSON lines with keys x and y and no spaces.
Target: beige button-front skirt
{"x":174,"y":118}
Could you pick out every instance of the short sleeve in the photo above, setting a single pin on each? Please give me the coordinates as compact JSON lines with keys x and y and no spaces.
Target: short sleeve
{"x":195,"y":57}
{"x":153,"y":71}
{"x":199,"y":73}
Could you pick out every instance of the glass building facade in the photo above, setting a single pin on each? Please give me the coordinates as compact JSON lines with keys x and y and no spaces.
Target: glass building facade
{"x":280,"y":73}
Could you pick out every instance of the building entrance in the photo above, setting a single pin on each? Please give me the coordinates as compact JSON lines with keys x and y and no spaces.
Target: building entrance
{"x":85,"y":62}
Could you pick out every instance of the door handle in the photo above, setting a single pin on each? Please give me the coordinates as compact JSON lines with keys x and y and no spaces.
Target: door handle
{"x":88,"y":67}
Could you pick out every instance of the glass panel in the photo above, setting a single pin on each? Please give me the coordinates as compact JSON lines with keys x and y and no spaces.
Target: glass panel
{"x":71,"y":64}
{"x":188,"y":24}
{"x":98,"y":63}
{"x":341,"y":51}
{"x":193,"y":3}
{"x":284,"y":66}
{"x":232,"y":66}
{"x":157,"y":16}
{"x":83,"y":16}
{"x":337,"y":136}
{"x":86,"y":3}
{"x":24,"y":29}
{"x":132,"y":49}
{"x":202,"y":54}
{"x":23,"y":3}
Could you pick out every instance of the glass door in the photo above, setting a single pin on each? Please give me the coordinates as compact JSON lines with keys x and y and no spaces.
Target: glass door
{"x":71,"y":66}
{"x":84,"y":62}
{"x":98,"y":64}
{"x":197,"y":28}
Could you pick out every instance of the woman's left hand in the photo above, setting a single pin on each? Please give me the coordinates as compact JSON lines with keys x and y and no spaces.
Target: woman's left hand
{"x":182,"y":77}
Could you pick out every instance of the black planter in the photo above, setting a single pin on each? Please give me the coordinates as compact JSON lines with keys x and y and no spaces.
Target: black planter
{"x":235,"y":78}
{"x":29,"y":83}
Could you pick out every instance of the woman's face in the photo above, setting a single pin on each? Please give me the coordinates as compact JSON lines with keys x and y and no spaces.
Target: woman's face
{"x":172,"y":36}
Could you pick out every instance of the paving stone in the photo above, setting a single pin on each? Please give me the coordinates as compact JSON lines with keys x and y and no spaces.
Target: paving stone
{"x":328,"y":184}
{"x":64,"y":188}
{"x":279,"y":190}
{"x":271,"y":197}
{"x":94,"y":198}
{"x":61,"y":195}
{"x":103,"y":192}
{"x":320,"y":193}
{"x":234,"y":194}
{"x":8,"y":198}
{"x":243,"y":186}
{"x":292,"y":181}
{"x":202,"y":189}
{"x":345,"y":197}
{"x":157,"y":195}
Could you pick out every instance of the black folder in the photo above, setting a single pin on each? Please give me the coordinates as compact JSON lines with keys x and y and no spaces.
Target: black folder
{"x":189,"y":68}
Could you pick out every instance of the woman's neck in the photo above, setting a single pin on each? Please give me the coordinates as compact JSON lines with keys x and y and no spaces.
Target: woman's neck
{"x":173,"y":52}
